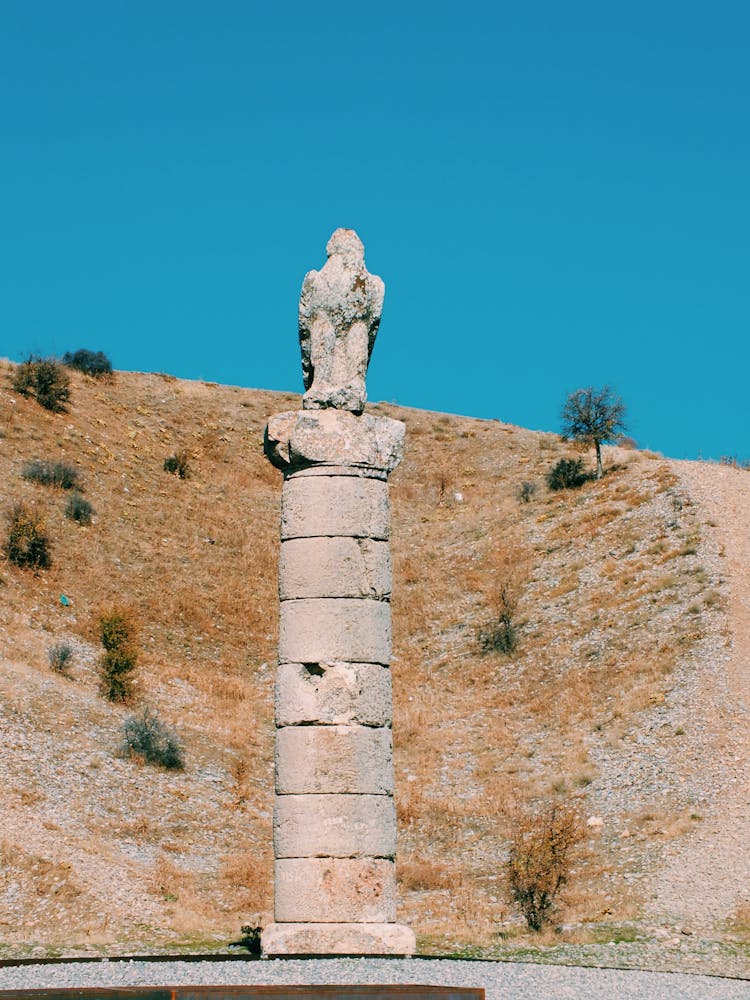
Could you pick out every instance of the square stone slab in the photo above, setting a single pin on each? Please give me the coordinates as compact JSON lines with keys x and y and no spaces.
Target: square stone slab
{"x":334,"y":826}
{"x":342,"y":939}
{"x":333,"y":693}
{"x":335,"y":890}
{"x":317,"y":630}
{"x":354,"y":760}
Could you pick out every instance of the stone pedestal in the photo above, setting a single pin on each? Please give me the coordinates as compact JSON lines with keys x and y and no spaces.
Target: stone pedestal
{"x":334,"y":814}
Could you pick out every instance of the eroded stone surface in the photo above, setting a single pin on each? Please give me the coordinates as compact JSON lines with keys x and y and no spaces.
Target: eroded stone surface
{"x":334,"y":567}
{"x":334,"y":826}
{"x":355,"y":760}
{"x":334,"y":437}
{"x":333,"y":693}
{"x":338,"y":939}
{"x":339,"y":315}
{"x":362,"y":471}
{"x":335,"y":505}
{"x":335,"y":890}
{"x":317,"y":630}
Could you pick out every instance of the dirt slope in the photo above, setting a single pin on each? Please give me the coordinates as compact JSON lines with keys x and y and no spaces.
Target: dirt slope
{"x":616,"y":696}
{"x":705,"y":877}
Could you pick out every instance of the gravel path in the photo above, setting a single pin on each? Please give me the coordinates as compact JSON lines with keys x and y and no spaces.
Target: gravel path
{"x":705,"y":876}
{"x":500,"y":980}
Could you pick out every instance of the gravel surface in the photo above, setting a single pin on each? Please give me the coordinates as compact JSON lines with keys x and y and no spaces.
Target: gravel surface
{"x":704,"y":876}
{"x":509,"y":981}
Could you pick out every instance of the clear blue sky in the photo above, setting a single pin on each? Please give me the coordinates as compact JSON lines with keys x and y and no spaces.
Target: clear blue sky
{"x":556,"y":194}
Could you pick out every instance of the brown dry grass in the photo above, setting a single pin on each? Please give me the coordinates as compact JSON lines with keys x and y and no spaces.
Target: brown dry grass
{"x":196,"y":560}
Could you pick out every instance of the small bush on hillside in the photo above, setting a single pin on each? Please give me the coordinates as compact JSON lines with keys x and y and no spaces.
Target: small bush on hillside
{"x":508,"y":569}
{"x":625,"y":441}
{"x":22,"y":378}
{"x":93,"y":363}
{"x":500,"y":637}
{"x":734,"y":462}
{"x":251,"y":938}
{"x":178,"y":464}
{"x":147,"y":737}
{"x":114,"y":668}
{"x":540,"y":860}
{"x":117,"y":635}
{"x":46,"y":380}
{"x":526,"y":491}
{"x":567,"y":474}
{"x":49,"y":473}
{"x":59,"y":657}
{"x":79,"y":509}
{"x":27,"y":544}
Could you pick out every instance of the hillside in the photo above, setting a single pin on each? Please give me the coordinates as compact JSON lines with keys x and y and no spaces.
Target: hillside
{"x":626,"y":692}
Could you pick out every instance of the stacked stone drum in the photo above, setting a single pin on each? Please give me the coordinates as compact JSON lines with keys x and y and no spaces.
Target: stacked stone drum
{"x":334,"y":818}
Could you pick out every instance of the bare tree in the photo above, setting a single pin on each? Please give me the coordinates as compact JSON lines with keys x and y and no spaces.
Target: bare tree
{"x":593,"y":416}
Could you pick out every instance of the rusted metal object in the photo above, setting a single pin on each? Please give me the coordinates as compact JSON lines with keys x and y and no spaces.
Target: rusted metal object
{"x":252,"y":993}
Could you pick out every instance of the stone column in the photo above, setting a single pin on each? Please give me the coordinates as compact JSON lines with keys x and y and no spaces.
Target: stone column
{"x":334,"y":813}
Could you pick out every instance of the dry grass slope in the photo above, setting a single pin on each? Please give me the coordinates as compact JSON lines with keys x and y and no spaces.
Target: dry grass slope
{"x":610,"y":594}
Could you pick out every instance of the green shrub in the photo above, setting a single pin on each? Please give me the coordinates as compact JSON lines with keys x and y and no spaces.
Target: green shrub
{"x":27,"y":544}
{"x":251,"y":938}
{"x":147,"y":737}
{"x":46,"y":380}
{"x":22,"y":379}
{"x":567,"y":474}
{"x":79,"y":509}
{"x":526,"y":491}
{"x":114,"y":668}
{"x":540,"y":859}
{"x":116,"y":629}
{"x":93,"y":363}
{"x":500,"y":637}
{"x":117,"y":635}
{"x":49,"y":473}
{"x":179,"y":464}
{"x":511,"y":569}
{"x":59,"y":656}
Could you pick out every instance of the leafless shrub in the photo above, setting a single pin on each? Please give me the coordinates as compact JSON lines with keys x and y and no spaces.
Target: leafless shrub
{"x":59,"y":656}
{"x":147,"y":737}
{"x":508,"y":575}
{"x":526,"y":491}
{"x":540,"y":859}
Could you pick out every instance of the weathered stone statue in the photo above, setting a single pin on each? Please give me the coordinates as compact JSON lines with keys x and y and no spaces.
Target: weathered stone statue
{"x":339,"y":315}
{"x":334,"y":814}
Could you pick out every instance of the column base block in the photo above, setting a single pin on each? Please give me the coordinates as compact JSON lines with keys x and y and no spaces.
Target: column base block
{"x":337,"y":939}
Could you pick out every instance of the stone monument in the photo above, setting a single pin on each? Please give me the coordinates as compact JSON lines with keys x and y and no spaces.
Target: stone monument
{"x":334,"y":825}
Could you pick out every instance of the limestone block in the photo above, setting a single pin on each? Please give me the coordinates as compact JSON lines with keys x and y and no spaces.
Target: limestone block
{"x":318,"y":630}
{"x":335,"y":505}
{"x":297,"y":438}
{"x":331,"y":693}
{"x":334,"y":760}
{"x":334,"y":826}
{"x":337,"y":939}
{"x":334,"y":567}
{"x":335,"y":890}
